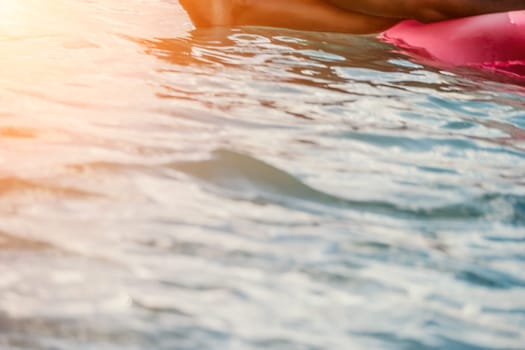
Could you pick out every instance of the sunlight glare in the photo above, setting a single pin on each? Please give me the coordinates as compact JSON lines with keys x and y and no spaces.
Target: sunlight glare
{"x":13,"y":18}
{"x":8,"y":7}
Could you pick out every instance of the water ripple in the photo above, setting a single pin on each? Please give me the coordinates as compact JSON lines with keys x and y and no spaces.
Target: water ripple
{"x":164,"y":187}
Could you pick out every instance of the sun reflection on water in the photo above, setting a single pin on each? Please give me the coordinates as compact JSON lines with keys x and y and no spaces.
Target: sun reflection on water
{"x":158,"y":185}
{"x":29,"y":18}
{"x":14,"y":18}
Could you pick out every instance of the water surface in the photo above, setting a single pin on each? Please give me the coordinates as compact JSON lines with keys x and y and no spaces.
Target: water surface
{"x":250,"y":188}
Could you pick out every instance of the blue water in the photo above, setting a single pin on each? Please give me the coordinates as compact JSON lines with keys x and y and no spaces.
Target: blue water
{"x":250,"y":188}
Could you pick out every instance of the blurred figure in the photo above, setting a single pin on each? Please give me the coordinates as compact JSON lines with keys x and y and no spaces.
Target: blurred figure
{"x":348,"y":16}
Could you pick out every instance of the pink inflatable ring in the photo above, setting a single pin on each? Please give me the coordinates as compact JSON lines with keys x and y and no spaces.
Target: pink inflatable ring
{"x":495,"y":42}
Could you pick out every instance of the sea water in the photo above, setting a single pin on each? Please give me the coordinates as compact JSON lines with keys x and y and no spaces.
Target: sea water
{"x":163,"y":187}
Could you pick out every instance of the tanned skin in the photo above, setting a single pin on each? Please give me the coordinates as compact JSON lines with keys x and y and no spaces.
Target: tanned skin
{"x":348,"y":16}
{"x":429,"y":10}
{"x":314,"y":15}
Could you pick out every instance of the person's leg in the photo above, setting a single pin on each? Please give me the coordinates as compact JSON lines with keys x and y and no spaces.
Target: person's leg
{"x":429,"y":10}
{"x":314,"y":15}
{"x":210,"y":13}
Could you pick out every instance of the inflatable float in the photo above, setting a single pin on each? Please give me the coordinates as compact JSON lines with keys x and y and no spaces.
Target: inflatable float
{"x":493,"y":42}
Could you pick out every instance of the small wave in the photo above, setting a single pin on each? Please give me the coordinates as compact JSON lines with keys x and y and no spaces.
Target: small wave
{"x":12,"y":242}
{"x":489,"y":278}
{"x":10,"y":185}
{"x":245,"y":177}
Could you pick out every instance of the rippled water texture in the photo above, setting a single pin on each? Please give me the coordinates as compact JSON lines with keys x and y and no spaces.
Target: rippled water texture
{"x":170,"y":188}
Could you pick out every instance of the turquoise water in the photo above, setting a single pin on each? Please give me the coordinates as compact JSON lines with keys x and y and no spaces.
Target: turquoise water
{"x":250,"y":188}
